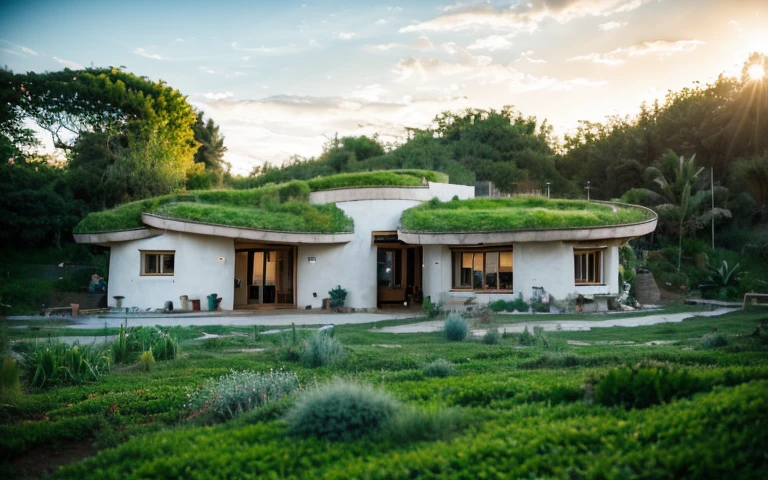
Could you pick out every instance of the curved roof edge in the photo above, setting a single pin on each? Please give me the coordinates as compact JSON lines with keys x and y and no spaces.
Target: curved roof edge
{"x":631,"y":230}
{"x":418,"y":193}
{"x":116,"y":236}
{"x":199,"y":228}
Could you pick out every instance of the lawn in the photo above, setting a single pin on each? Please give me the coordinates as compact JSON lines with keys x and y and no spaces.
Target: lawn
{"x":540,"y":408}
{"x":498,"y":214}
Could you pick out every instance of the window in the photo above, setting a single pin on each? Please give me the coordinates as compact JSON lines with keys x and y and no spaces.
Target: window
{"x":483,"y":270}
{"x":388,"y":270}
{"x":157,"y":263}
{"x":588,"y":267}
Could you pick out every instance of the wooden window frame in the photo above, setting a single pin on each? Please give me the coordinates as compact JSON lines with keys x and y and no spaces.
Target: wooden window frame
{"x":456,"y":256}
{"x":582,"y":266}
{"x":160,"y":254}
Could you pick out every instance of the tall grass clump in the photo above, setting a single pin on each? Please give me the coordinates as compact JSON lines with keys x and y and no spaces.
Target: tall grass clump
{"x":10,"y":387}
{"x":440,"y":368}
{"x":712,"y":340}
{"x":526,"y":338}
{"x":61,"y":364}
{"x":322,"y":349}
{"x":492,"y":336}
{"x":133,"y":342}
{"x":225,"y":397}
{"x":415,"y":425}
{"x":147,"y":360}
{"x":455,"y":328}
{"x":341,"y":411}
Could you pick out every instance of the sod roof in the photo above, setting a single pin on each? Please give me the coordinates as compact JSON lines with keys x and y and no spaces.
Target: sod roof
{"x":520,"y":213}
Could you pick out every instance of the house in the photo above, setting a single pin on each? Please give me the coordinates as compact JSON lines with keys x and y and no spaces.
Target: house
{"x":386,"y":237}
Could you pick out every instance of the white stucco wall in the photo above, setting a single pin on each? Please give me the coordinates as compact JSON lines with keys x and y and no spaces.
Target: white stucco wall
{"x":548,"y":265}
{"x":446,"y":191}
{"x":198,"y":271}
{"x":351,"y":265}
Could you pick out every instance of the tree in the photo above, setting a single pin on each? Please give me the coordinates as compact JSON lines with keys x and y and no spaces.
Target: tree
{"x":210,"y":154}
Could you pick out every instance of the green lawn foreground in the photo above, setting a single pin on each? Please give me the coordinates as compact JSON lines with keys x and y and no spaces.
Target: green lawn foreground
{"x":533,"y":411}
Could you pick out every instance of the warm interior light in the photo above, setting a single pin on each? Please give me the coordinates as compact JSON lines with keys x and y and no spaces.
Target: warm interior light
{"x":756,"y":72}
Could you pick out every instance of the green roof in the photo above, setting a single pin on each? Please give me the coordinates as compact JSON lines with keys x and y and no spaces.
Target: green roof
{"x":519,"y":213}
{"x":281,"y":207}
{"x":383,"y":178}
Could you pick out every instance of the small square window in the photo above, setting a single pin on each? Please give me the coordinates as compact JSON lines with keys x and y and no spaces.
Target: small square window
{"x":157,"y":263}
{"x":588,"y":267}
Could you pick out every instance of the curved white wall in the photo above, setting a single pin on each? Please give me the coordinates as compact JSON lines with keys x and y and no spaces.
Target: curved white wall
{"x":352,"y":265}
{"x":198,"y":271}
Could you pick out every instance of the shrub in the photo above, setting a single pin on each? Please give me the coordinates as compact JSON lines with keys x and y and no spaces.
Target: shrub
{"x":341,"y":411}
{"x":9,"y":378}
{"x":492,"y":337}
{"x":431,"y":310}
{"x":58,"y":363}
{"x":498,"y":306}
{"x":712,"y":340}
{"x":338,"y":296}
{"x":321,"y":350}
{"x":643,"y":385}
{"x":540,"y":307}
{"x":517,"y":304}
{"x":440,"y":368}
{"x":415,"y":425}
{"x":133,"y":342}
{"x":455,"y":328}
{"x":236,"y":392}
{"x":147,"y":360}
{"x":526,"y":338}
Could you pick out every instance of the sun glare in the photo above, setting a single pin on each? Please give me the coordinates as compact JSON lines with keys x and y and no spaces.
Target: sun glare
{"x":756,"y":72}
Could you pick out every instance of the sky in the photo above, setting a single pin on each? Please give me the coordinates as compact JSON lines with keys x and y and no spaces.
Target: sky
{"x":282,"y":78}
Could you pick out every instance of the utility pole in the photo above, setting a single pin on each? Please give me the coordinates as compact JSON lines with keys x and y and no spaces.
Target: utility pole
{"x":547,"y":189}
{"x":588,"y":190}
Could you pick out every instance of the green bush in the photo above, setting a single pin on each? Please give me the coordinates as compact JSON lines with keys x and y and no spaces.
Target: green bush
{"x":338,"y":296}
{"x":341,"y":411}
{"x":517,"y":304}
{"x":147,"y":360}
{"x":526,"y":338}
{"x":498,"y":306}
{"x":416,"y":425}
{"x":58,"y":363}
{"x":431,"y":310}
{"x":322,"y":349}
{"x":713,"y":340}
{"x":237,"y":392}
{"x":492,"y":336}
{"x":9,"y":379}
{"x":455,"y":328}
{"x":643,"y":385}
{"x":440,"y":368}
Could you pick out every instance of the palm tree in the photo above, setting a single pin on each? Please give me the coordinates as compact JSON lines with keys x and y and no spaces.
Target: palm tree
{"x":211,"y":151}
{"x":674,"y":179}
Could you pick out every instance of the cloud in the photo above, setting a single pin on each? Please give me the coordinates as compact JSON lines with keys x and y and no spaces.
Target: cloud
{"x":144,"y":53}
{"x":492,"y":43}
{"x":236,"y":74}
{"x":521,"y":17}
{"x":16,"y":49}
{"x":578,"y":82}
{"x":422,"y":43}
{"x":344,"y":35}
{"x":611,"y":25}
{"x":385,"y":47}
{"x":527,"y":55}
{"x":381,"y":21}
{"x":182,"y":40}
{"x":276,"y":50}
{"x":69,"y":64}
{"x":217,"y":95}
{"x":274,"y":128}
{"x":207,"y":70}
{"x":618,"y":56}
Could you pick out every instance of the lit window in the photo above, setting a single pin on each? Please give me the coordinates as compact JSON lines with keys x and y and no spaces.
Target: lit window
{"x":482,"y":270}
{"x":588,"y":267}
{"x":157,"y":263}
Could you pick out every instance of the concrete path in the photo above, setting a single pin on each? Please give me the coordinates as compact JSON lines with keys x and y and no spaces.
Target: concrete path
{"x":240,"y":320}
{"x":563,"y":325}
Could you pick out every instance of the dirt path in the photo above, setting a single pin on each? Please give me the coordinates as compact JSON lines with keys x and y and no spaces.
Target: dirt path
{"x":563,"y":325}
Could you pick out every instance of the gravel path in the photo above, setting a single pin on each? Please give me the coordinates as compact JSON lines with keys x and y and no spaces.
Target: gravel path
{"x":563,"y":325}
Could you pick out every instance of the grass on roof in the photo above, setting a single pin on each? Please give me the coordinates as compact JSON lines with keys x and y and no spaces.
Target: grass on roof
{"x":281,"y":207}
{"x":521,"y":213}
{"x":384,"y":178}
